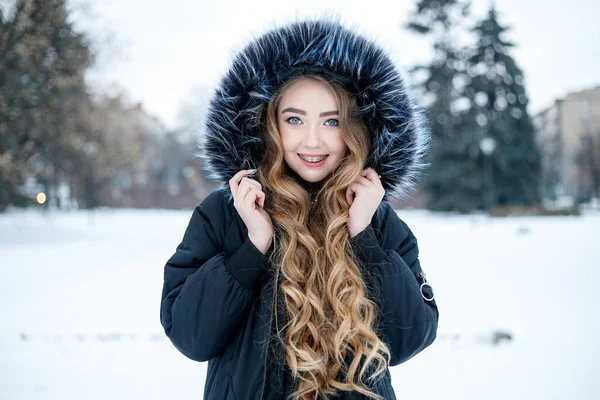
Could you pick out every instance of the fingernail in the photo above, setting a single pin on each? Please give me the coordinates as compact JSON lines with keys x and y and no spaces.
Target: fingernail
{"x":253,"y":170}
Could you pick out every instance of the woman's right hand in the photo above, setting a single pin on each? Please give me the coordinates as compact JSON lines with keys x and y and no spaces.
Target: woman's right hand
{"x":249,"y":201}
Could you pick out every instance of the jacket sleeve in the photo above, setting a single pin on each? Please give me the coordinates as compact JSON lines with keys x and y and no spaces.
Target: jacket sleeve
{"x":207,"y":294}
{"x":406,"y":320}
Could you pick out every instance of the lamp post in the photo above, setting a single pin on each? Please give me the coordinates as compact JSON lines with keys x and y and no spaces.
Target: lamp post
{"x":487,"y":146}
{"x":90,"y":150}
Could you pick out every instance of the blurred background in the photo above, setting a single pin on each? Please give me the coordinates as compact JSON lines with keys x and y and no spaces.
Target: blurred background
{"x":101,"y":104}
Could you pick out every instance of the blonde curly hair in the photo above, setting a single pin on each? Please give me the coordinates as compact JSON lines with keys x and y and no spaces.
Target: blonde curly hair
{"x":329,"y":315}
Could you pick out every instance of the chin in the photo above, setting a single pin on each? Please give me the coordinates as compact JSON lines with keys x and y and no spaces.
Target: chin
{"x":312,"y":179}
{"x":313,"y":176}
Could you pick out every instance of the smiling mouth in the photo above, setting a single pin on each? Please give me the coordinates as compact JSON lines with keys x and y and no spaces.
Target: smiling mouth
{"x":313,"y":159}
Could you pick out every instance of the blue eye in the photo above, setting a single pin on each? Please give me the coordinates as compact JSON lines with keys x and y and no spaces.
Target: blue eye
{"x":289,"y":121}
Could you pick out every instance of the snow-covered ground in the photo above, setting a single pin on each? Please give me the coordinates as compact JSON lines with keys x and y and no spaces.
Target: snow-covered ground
{"x":80,"y":295}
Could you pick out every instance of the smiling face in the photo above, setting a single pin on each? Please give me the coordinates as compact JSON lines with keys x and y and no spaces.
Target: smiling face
{"x":308,"y":122}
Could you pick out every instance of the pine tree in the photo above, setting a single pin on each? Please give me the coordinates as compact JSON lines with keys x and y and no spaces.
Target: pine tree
{"x":499,"y":102}
{"x":453,"y":181}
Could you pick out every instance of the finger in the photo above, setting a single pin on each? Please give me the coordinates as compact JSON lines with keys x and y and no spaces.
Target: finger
{"x":367,"y":171}
{"x":364,"y":181}
{"x":243,"y":191}
{"x":252,"y":195}
{"x":356,"y":188}
{"x":255,"y":182}
{"x":249,"y":197}
{"x":349,"y":195}
{"x":234,"y":182}
{"x":249,"y":183}
{"x":252,"y":182}
{"x":261,"y":199}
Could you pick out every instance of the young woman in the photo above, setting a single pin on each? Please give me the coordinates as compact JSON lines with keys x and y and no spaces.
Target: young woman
{"x":298,"y":280}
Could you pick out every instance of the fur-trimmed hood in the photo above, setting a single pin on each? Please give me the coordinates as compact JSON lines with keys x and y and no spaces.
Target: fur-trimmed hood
{"x":400,"y":133}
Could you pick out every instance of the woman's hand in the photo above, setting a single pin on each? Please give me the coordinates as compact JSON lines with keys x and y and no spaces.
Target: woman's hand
{"x":249,"y":201}
{"x":369,"y":193}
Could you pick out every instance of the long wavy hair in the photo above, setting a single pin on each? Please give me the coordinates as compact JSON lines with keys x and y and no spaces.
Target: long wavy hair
{"x":330,"y":318}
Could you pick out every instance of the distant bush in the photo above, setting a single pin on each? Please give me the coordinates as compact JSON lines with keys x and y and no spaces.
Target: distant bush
{"x":537,"y":210}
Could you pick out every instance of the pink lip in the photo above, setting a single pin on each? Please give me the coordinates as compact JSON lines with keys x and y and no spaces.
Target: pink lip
{"x":313,"y":164}
{"x":311,"y":155}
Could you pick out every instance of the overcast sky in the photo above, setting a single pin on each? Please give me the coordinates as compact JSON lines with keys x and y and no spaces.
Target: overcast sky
{"x":163,"y":53}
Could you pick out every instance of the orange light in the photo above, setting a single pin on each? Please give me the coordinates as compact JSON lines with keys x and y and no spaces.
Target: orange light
{"x":41,"y":198}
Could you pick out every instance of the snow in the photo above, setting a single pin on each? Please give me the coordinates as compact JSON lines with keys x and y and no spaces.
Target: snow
{"x":80,"y":295}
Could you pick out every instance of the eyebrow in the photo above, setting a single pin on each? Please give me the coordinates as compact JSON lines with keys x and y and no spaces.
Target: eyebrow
{"x":296,"y":110}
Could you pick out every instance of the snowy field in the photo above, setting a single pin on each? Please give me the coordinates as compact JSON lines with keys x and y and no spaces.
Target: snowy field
{"x":80,"y":295}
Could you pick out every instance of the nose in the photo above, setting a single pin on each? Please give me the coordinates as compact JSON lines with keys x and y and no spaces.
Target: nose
{"x":312,"y":137}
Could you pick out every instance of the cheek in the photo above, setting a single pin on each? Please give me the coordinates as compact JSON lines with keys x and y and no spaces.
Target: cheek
{"x":286,"y":140}
{"x":290,"y":138}
{"x":339,"y":145}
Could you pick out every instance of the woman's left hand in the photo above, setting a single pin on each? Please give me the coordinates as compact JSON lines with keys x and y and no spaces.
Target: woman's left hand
{"x":369,"y":193}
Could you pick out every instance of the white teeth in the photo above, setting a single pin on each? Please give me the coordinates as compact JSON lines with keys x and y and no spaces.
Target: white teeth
{"x":312,"y":159}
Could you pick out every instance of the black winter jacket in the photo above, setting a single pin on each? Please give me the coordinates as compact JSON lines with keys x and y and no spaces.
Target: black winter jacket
{"x":217,"y":297}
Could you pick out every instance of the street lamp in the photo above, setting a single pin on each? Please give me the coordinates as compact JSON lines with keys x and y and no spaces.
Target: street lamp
{"x":487,"y":146}
{"x":90,"y":150}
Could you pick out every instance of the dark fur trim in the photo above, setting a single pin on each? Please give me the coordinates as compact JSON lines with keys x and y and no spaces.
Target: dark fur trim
{"x":398,"y":125}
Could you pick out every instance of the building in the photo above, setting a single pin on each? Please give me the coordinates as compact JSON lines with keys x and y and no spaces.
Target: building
{"x":568,"y":134}
{"x":160,"y":172}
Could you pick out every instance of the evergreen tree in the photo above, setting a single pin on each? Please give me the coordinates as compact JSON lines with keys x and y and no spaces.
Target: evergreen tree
{"x":46,"y":130}
{"x":499,"y":102}
{"x":453,"y":181}
{"x":42,"y":93}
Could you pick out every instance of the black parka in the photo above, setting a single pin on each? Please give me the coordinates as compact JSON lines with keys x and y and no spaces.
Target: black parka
{"x":217,"y":297}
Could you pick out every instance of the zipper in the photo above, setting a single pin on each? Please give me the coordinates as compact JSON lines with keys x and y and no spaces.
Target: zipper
{"x":423,"y":278}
